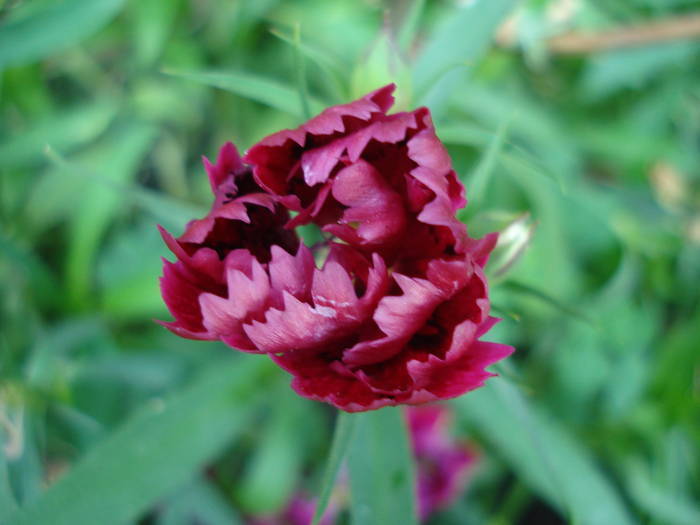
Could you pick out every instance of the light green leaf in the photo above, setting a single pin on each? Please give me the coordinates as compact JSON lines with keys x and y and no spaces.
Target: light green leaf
{"x":152,"y":21}
{"x":63,"y":131}
{"x":613,"y":71}
{"x":300,"y":68}
{"x":461,"y":39}
{"x":666,"y":506}
{"x":253,"y":87}
{"x":114,"y":162}
{"x":53,"y":29}
{"x":478,"y":181}
{"x":546,"y":298}
{"x":198,"y":502}
{"x":8,"y":504}
{"x":155,"y":452}
{"x":334,"y":72}
{"x":406,"y":34}
{"x":543,"y":455}
{"x":342,"y":437}
{"x":270,"y":479}
{"x":382,"y":484}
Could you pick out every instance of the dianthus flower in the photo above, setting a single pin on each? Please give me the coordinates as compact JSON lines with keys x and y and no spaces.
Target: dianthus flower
{"x":389,"y":309}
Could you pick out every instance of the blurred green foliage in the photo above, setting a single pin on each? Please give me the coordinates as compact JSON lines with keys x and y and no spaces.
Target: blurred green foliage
{"x":591,"y":163}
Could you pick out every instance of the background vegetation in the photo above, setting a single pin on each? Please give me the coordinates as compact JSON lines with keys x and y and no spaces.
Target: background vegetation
{"x":588,"y":157}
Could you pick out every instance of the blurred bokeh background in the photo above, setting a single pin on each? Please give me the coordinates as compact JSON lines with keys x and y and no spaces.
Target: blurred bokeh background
{"x":574,"y":124}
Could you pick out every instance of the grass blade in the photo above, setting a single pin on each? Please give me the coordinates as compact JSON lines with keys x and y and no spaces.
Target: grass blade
{"x":253,"y":87}
{"x":461,"y":39}
{"x":479,"y":179}
{"x":543,"y":455}
{"x":301,"y":74}
{"x":552,"y":301}
{"x":152,"y":455}
{"x":382,"y":481}
{"x":63,"y":130}
{"x":53,"y":29}
{"x":342,"y":436}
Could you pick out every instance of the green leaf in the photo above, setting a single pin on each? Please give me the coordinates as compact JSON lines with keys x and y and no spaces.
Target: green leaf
{"x":461,"y":39}
{"x":52,"y":29}
{"x":8,"y":504}
{"x":382,"y":484}
{"x":406,"y":34}
{"x":300,"y":68}
{"x":478,"y":181}
{"x":63,"y":131}
{"x":342,"y":437}
{"x":152,"y":21}
{"x":610,"y":72}
{"x":115,"y":162}
{"x":546,"y":298}
{"x":198,"y":502}
{"x":543,"y":455}
{"x":664,"y":505}
{"x":253,"y":87}
{"x":272,"y":473}
{"x":172,"y":213}
{"x":27,"y":264}
{"x":155,"y":452}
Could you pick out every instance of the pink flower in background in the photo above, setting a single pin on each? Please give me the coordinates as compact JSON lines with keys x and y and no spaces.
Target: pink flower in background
{"x":395,"y":311}
{"x":299,"y":511}
{"x":443,"y":463}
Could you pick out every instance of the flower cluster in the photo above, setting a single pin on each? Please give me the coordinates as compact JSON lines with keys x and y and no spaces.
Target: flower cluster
{"x":389,"y":309}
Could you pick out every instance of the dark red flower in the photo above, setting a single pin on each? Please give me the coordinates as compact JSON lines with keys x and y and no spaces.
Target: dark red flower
{"x":380,"y":182}
{"x":395,"y":311}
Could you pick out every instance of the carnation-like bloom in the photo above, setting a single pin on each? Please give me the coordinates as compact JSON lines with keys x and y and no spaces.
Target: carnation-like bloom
{"x":393,"y":312}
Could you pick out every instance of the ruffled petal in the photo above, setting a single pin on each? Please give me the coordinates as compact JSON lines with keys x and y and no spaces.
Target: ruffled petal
{"x":371,"y":203}
{"x":274,"y":156}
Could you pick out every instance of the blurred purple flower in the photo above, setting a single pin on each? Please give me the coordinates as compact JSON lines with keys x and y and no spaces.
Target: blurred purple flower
{"x":442,"y":463}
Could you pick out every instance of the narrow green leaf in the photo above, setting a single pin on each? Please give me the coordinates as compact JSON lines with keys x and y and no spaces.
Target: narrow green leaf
{"x":461,"y":39}
{"x":664,"y":505}
{"x":32,"y":268}
{"x":115,"y":162}
{"x":198,"y":502}
{"x":63,"y":131}
{"x":171,"y":212}
{"x":53,"y":29}
{"x":543,"y":455}
{"x":409,"y":25}
{"x":8,"y":504}
{"x":155,"y":452}
{"x":342,"y":437}
{"x":382,"y":484}
{"x":545,"y":297}
{"x":300,"y":68}
{"x":26,"y":470}
{"x":270,"y":479}
{"x":511,"y":154}
{"x":479,"y":179}
{"x":334,"y":72}
{"x":253,"y":87}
